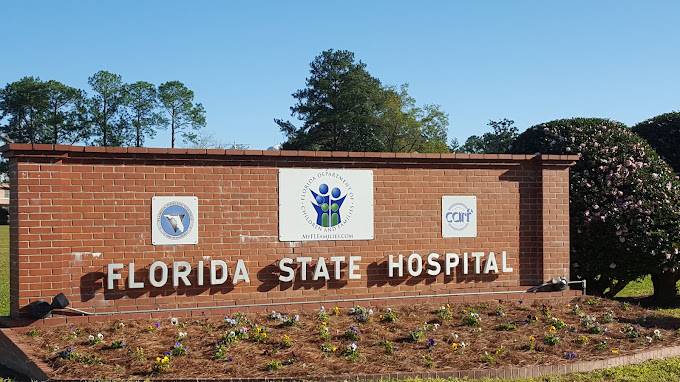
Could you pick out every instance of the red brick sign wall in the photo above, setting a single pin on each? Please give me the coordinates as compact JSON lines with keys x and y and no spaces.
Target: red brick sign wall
{"x":75,"y":210}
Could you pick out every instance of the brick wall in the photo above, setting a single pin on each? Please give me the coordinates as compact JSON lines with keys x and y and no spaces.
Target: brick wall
{"x":76,"y":209}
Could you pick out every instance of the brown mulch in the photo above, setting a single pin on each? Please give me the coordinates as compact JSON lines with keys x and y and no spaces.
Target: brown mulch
{"x":304,"y":358}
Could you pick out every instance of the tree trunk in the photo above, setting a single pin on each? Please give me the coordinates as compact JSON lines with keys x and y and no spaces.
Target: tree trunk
{"x":665,"y":287}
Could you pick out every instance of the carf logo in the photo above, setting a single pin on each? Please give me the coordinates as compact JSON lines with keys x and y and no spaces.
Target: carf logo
{"x":459,"y":216}
{"x":174,"y":220}
{"x":325,"y":204}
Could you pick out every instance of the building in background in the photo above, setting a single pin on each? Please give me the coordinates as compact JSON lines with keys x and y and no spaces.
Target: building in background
{"x":4,"y":203}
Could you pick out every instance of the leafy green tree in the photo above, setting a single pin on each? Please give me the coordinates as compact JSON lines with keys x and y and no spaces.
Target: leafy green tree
{"x":498,"y":141}
{"x":404,"y":127}
{"x":338,"y":106}
{"x":184,"y":117}
{"x":343,"y":107}
{"x":24,"y":106}
{"x":145,"y":116}
{"x":106,"y":109}
{"x":623,"y":203}
{"x":65,"y":119}
{"x":663,"y":134}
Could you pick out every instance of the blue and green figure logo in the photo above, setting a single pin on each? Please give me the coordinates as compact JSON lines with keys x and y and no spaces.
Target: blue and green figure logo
{"x":327,"y":206}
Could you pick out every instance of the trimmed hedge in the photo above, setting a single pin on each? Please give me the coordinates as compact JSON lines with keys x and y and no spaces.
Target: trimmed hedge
{"x":663,"y":134}
{"x":624,"y":201}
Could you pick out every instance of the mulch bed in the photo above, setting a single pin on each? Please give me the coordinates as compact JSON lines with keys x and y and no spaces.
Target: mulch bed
{"x":423,"y":338}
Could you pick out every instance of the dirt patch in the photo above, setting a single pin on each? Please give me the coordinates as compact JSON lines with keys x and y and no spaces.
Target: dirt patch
{"x":421,"y":337}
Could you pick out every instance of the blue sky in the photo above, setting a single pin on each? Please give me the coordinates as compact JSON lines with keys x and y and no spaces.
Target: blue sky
{"x":531,"y":61}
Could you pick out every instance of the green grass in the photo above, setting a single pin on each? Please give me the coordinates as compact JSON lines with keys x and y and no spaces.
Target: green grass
{"x":4,"y":270}
{"x":644,"y":288}
{"x":638,"y":288}
{"x":667,"y":370}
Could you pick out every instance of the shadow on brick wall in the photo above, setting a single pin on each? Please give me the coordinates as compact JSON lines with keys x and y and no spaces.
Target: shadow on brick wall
{"x":528,"y":178}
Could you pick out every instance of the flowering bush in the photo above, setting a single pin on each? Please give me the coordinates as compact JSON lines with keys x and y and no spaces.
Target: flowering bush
{"x":506,"y":327}
{"x":607,"y":317}
{"x":117,"y":344}
{"x":94,"y":340}
{"x":324,"y":331}
{"x":178,"y":349}
{"x":663,"y":134}
{"x":418,"y":334}
{"x":328,"y":348}
{"x":162,"y":365}
{"x":286,"y":341}
{"x":631,"y":332}
{"x":444,"y":312}
{"x":352,"y":333}
{"x":492,"y":358}
{"x":360,"y":313}
{"x":551,"y":339}
{"x":273,"y":365}
{"x":624,"y":209}
{"x":389,"y":316}
{"x":557,"y":323}
{"x":323,"y":316}
{"x":582,"y":340}
{"x":471,"y":318}
{"x":388,"y":346}
{"x":259,"y":334}
{"x":351,"y":352}
{"x":220,"y":353}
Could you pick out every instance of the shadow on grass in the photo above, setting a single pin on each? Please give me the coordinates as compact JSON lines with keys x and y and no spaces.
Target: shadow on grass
{"x":666,"y":316}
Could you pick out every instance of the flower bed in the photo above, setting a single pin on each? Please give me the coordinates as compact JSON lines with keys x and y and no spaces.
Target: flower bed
{"x":335,"y":341}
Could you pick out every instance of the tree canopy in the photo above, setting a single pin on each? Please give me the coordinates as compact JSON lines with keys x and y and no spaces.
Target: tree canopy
{"x":115,"y":113}
{"x":498,"y":141}
{"x":663,"y":134}
{"x":343,"y":107}
{"x":184,"y":118}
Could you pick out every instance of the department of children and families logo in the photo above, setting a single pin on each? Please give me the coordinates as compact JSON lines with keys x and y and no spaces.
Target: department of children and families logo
{"x":459,"y":216}
{"x":325,"y":204}
{"x":327,"y":200}
{"x":174,"y":220}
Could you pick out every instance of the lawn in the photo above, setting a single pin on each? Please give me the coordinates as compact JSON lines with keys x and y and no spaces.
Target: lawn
{"x":643,"y":288}
{"x":667,"y":370}
{"x":4,"y":270}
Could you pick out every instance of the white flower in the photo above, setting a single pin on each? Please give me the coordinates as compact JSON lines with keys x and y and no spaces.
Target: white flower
{"x":182,"y":335}
{"x":322,"y":309}
{"x":370,"y":312}
{"x":649,"y":339}
{"x":100,"y":336}
{"x":463,"y":344}
{"x":121,"y":325}
{"x":174,"y":321}
{"x":352,"y":347}
{"x":296,"y":318}
{"x":90,"y":338}
{"x":230,"y":321}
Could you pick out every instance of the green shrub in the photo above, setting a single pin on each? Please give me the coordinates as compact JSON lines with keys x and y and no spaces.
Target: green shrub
{"x":624,"y":209}
{"x":663,"y":134}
